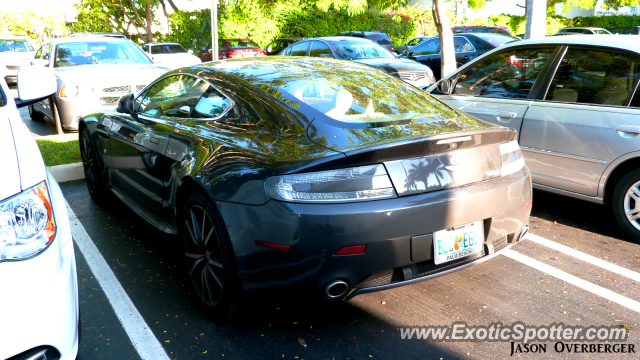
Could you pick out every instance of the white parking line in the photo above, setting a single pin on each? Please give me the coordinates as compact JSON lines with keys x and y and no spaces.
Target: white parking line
{"x":585,"y":257}
{"x":583,"y":284}
{"x":145,"y":342}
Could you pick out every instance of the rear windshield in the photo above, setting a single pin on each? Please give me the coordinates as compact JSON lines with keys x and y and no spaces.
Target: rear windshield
{"x":15,"y":45}
{"x":168,"y":49}
{"x":497,"y":39}
{"x":358,"y":50}
{"x":99,"y":52}
{"x":242,"y":44}
{"x":380,"y":39}
{"x":356,"y":94}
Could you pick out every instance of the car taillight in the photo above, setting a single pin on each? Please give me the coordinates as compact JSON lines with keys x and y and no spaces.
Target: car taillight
{"x":511,"y":156}
{"x":393,"y":49}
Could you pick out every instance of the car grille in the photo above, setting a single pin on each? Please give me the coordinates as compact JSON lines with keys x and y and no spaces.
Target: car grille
{"x":413,"y":76}
{"x":109,"y":100}
{"x":117,"y":89}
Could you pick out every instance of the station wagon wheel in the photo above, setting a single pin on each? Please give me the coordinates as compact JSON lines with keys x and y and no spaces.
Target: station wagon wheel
{"x":209,"y":258}
{"x":95,"y":183}
{"x":626,"y":203}
{"x":203,"y":256}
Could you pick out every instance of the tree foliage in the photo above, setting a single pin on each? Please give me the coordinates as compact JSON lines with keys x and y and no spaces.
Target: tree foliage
{"x":35,"y":27}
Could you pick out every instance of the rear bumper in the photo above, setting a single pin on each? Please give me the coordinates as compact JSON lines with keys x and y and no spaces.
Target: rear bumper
{"x":40,"y":295}
{"x":314,"y":232}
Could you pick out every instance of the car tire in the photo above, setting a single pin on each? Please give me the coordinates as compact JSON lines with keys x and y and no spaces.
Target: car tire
{"x":92,"y":174}
{"x":35,"y":115}
{"x":210,"y":264}
{"x":626,"y":201}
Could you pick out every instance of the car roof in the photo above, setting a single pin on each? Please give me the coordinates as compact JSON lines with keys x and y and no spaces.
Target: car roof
{"x":612,"y":41}
{"x":79,"y":39}
{"x":584,"y":27}
{"x":162,"y":43}
{"x":338,"y":38}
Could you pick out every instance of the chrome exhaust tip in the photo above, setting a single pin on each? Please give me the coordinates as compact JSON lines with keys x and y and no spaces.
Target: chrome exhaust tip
{"x":523,"y":233}
{"x":336,"y":289}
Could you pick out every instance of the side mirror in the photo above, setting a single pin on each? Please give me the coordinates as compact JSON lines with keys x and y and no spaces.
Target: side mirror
{"x":125,"y":104}
{"x":39,"y":62}
{"x":326,"y":56}
{"x":190,"y":51}
{"x":269,"y":49}
{"x":444,"y":86}
{"x":35,"y":84}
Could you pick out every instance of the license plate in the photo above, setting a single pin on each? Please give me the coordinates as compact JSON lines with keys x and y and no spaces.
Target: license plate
{"x":459,"y":242}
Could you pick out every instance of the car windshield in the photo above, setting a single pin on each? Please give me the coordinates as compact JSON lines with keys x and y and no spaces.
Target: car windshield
{"x":355,"y":50}
{"x":99,"y":52}
{"x":168,"y":49}
{"x":242,"y":44}
{"x":14,"y":45}
{"x":352,"y":94}
{"x":496,"y":39}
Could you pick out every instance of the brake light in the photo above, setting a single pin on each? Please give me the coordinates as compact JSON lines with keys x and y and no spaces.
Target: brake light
{"x":393,"y":49}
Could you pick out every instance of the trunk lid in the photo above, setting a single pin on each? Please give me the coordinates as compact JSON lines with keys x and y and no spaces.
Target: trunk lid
{"x":421,"y":157}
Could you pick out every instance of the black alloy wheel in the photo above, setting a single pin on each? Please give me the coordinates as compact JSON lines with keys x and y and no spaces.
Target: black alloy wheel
{"x":210,"y":263}
{"x":97,"y":188}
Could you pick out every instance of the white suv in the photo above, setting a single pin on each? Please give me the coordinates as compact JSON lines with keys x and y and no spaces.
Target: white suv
{"x":38,"y":282}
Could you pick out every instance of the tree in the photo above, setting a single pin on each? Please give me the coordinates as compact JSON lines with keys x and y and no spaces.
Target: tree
{"x":587,"y":4}
{"x":134,"y":18}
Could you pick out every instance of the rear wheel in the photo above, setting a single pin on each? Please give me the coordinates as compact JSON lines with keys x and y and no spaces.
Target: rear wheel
{"x":626,"y":203}
{"x":210,"y":262}
{"x":35,"y":115}
{"x":95,"y":184}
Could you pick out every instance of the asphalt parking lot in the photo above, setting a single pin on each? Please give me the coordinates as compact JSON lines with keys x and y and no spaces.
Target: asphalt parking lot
{"x":147,"y":265}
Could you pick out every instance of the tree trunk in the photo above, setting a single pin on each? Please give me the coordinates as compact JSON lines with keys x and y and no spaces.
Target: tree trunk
{"x":448,"y":60}
{"x":56,"y":114}
{"x":148,"y":28}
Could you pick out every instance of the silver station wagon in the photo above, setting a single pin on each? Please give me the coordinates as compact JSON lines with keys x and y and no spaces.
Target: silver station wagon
{"x":575,"y":105}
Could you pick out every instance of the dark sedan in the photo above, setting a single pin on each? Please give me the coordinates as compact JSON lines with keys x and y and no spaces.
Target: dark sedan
{"x":307,"y":179}
{"x":467,"y":48}
{"x":365,"y":52}
{"x":278,"y":45}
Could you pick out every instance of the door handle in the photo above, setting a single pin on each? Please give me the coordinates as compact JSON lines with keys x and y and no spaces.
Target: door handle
{"x":466,"y":57}
{"x":628,"y":131}
{"x":504,"y":116}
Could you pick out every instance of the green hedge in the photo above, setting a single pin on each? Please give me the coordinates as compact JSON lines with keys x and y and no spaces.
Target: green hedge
{"x":265,"y":23}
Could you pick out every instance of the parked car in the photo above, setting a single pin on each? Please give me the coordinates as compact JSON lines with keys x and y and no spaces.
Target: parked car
{"x":629,"y":30}
{"x":234,"y":48}
{"x":365,"y":52}
{"x":411,"y":43}
{"x":578,"y":125}
{"x":40,"y":317}
{"x":467,"y":47}
{"x":482,"y":29}
{"x":92,"y":74}
{"x":103,"y":34}
{"x":278,"y":45}
{"x":170,"y":55}
{"x":15,"y":52}
{"x":322,"y":182}
{"x":377,"y":37}
{"x":582,"y":31}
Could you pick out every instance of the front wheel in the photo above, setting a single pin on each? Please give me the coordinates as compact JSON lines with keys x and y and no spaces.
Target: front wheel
{"x":626,"y":203}
{"x":210,"y":261}
{"x":35,"y":115}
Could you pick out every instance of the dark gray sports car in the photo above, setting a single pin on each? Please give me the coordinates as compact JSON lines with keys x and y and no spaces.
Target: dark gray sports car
{"x":307,"y":178}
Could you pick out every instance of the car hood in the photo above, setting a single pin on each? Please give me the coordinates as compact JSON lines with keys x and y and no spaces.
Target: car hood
{"x":17,"y":55}
{"x":103,"y":75}
{"x":394,"y":65}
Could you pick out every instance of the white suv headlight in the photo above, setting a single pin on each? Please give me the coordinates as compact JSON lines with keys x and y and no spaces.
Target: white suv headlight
{"x":343,"y":185}
{"x":27,"y":225}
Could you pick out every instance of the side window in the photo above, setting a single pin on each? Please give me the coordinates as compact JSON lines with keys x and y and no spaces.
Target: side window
{"x":461,"y":44}
{"x":272,"y":46}
{"x":508,"y":74}
{"x":46,"y":50}
{"x":174,"y":96}
{"x":636,"y":100}
{"x":594,"y":77}
{"x":430,"y":47}
{"x":40,"y":51}
{"x":319,"y":48}
{"x":221,"y":45}
{"x":145,"y":48}
{"x":299,"y":49}
{"x":210,"y":105}
{"x":414,"y":42}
